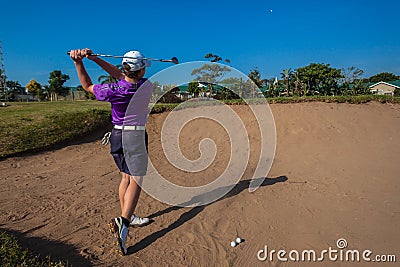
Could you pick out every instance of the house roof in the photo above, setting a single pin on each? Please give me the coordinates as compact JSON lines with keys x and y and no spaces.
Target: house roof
{"x":395,"y":84}
{"x":216,"y":87}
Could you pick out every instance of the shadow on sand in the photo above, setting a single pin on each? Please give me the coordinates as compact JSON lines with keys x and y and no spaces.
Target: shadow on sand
{"x":185,"y":217}
{"x":57,"y":251}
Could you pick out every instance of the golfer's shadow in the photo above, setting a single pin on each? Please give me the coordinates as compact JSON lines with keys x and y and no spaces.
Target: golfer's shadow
{"x":242,"y":185}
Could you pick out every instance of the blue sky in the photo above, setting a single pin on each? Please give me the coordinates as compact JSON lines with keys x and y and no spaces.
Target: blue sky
{"x":36,"y":34}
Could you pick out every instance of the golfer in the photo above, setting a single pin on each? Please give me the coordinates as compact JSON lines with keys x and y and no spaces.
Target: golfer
{"x":134,"y":92}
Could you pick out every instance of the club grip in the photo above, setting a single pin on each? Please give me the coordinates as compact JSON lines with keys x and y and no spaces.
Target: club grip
{"x":69,"y":52}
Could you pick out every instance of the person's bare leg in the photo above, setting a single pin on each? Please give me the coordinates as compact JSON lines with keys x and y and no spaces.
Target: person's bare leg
{"x":131,"y":196}
{"x":123,"y":185}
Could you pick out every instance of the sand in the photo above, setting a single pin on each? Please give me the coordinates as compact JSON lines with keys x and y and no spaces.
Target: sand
{"x":335,"y":175}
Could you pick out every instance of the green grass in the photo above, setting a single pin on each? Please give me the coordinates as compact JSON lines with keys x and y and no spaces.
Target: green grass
{"x":12,"y":254}
{"x":30,"y":126}
{"x":360,"y":99}
{"x":158,"y":108}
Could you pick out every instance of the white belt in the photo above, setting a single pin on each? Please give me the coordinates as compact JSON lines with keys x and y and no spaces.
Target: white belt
{"x":129,"y":127}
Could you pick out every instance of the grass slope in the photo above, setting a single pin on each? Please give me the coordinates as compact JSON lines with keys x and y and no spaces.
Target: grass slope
{"x":30,"y":126}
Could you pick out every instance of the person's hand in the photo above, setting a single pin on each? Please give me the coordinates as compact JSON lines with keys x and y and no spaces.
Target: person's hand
{"x":88,"y":53}
{"x":77,"y":55}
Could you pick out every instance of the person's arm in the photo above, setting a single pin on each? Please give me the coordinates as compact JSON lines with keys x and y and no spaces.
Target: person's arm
{"x":108,"y":67}
{"x":77,"y":56}
{"x":84,"y":77}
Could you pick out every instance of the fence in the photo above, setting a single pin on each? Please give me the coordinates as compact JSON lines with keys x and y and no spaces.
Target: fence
{"x":71,"y":96}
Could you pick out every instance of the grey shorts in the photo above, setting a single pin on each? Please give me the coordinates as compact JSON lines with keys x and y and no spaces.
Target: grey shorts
{"x":129,"y":150}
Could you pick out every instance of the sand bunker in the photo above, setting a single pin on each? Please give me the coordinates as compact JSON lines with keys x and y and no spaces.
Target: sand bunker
{"x":335,"y":175}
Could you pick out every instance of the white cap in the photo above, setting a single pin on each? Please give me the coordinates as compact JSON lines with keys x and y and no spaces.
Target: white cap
{"x":135,"y":60}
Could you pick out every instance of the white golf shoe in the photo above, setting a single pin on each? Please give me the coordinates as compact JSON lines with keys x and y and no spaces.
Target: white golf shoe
{"x":139,"y":221}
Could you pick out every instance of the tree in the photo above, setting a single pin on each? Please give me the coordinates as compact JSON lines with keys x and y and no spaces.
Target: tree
{"x":194,"y":88}
{"x":351,"y":80}
{"x":273,"y":88}
{"x":157,"y":90}
{"x":87,"y":94}
{"x":14,"y":88}
{"x":35,"y":88}
{"x":210,"y":74}
{"x":360,"y":87}
{"x":383,"y":77}
{"x":396,"y":92}
{"x":320,"y":78}
{"x":227,"y":93}
{"x":56,"y":82}
{"x":216,"y":58}
{"x":286,"y":74}
{"x":255,"y":76}
{"x":3,"y":87}
{"x":3,"y":79}
{"x":13,"y":85}
{"x":297,"y":83}
{"x":234,"y":88}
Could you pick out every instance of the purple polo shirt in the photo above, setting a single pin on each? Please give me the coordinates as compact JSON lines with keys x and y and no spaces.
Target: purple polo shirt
{"x":120,"y":95}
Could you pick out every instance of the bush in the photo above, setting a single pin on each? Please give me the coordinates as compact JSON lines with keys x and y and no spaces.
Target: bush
{"x":12,"y":254}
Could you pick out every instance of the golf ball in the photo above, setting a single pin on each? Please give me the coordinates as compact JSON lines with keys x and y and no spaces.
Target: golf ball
{"x":233,"y":244}
{"x":238,"y":240}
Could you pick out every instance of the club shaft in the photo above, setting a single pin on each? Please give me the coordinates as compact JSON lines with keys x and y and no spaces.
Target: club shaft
{"x":174,"y":60}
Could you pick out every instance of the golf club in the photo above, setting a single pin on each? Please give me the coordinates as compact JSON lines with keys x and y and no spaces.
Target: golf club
{"x":173,"y":59}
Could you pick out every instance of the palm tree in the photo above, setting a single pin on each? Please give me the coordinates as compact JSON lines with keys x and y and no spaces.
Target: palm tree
{"x":274,"y":87}
{"x":286,"y":75}
{"x":108,"y":78}
{"x":297,"y":83}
